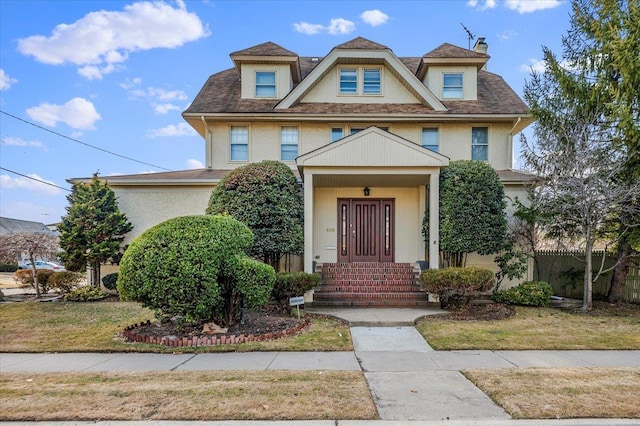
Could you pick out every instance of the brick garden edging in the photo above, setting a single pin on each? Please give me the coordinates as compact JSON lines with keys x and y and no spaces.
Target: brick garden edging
{"x":133,"y":336}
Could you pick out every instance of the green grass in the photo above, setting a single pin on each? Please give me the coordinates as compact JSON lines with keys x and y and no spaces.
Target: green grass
{"x":94,"y":327}
{"x":606,"y":327}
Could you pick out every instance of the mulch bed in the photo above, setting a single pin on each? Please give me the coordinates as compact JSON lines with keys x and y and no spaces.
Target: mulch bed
{"x":260,"y":325}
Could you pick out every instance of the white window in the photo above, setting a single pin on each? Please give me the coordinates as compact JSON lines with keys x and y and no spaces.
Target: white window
{"x":265,"y":84}
{"x":288,"y":143}
{"x":452,"y":86}
{"x":336,"y":133}
{"x":360,"y":81}
{"x":372,"y":82}
{"x":239,"y":143}
{"x":480,"y":143}
{"x":430,"y":138}
{"x":348,"y":81}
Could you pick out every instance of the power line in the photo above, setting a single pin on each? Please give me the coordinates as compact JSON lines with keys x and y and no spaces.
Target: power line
{"x":82,"y":143}
{"x":37,"y":180}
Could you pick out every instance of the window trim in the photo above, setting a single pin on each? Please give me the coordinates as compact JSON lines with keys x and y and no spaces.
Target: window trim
{"x":247,"y":127}
{"x":445,"y":87}
{"x":438,"y":136}
{"x":488,"y":130}
{"x":297,"y":144}
{"x":275,"y":84}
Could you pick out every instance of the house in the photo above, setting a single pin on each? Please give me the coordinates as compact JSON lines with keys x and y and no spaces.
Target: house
{"x":367,"y":131}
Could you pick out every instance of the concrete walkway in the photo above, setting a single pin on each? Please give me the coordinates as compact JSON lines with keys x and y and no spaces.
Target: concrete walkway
{"x":411,"y":384}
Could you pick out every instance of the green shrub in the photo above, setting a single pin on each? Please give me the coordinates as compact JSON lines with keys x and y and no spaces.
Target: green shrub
{"x":292,"y":284}
{"x":8,"y":267}
{"x":109,"y":281}
{"x":177,"y":267}
{"x":65,"y":281}
{"x":88,"y":293}
{"x":456,"y":286}
{"x":533,"y":293}
{"x":24,"y":277}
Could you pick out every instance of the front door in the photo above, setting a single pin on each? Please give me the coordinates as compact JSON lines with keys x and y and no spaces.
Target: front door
{"x":366,"y":230}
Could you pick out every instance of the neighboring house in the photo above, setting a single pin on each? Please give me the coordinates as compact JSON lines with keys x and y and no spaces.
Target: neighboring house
{"x":10,"y":226}
{"x":367,"y":131}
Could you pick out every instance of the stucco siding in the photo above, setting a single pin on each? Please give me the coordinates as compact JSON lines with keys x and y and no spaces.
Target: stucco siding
{"x":148,"y":206}
{"x":409,"y":245}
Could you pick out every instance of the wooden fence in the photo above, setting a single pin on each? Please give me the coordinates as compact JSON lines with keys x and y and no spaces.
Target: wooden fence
{"x":564,"y":270}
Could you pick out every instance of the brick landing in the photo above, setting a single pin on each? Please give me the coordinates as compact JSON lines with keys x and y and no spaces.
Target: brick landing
{"x":370,"y":284}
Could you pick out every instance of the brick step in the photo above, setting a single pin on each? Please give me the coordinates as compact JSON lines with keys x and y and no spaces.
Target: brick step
{"x":367,"y":277}
{"x":374,"y":271}
{"x":366,"y":282}
{"x":321,"y":296}
{"x":369,"y":288}
{"x":392,"y":303}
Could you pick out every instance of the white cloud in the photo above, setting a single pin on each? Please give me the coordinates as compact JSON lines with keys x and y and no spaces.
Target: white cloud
{"x":336,"y":26}
{"x":374,"y":17}
{"x":536,"y":65}
{"x":78,"y":113}
{"x":160,"y":99}
{"x":194,"y":164}
{"x":340,"y":26}
{"x":13,"y":141}
{"x":527,"y":6}
{"x":6,"y":81}
{"x":484,"y":4}
{"x":165,"y":108}
{"x":30,"y":185}
{"x":99,"y":40}
{"x":307,"y":28}
{"x":46,"y":213}
{"x":181,"y":129}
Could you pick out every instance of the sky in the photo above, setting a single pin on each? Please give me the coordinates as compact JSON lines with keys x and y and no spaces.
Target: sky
{"x":99,"y":86}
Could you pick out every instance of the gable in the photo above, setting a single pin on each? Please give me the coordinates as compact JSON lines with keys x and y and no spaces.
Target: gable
{"x":372,"y":147}
{"x":361,"y":56}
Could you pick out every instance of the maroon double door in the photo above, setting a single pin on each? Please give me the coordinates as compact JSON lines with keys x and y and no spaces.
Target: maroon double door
{"x":366,"y":230}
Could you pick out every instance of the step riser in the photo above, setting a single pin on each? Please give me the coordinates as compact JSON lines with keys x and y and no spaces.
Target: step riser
{"x":369,"y":284}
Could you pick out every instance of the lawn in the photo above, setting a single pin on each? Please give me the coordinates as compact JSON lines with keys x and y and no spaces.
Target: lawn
{"x":94,"y":327}
{"x":210,"y":395}
{"x":606,"y":327}
{"x":550,"y":393}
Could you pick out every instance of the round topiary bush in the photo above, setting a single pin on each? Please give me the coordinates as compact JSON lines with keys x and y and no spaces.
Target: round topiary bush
{"x":456,"y":286}
{"x":177,"y":268}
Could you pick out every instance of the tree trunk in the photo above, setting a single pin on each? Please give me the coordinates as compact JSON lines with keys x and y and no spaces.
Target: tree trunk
{"x":34,"y":271}
{"x":619,"y":277}
{"x":587,"y":298}
{"x":95,"y":275}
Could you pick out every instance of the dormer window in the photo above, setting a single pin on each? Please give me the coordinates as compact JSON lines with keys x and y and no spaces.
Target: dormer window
{"x":360,"y":81}
{"x":452,"y":86}
{"x":265,"y":84}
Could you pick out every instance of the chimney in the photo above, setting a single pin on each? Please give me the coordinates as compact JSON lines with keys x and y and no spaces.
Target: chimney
{"x":481,"y":47}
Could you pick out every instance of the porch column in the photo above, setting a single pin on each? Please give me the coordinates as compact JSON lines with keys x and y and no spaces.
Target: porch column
{"x":434,"y":220}
{"x":308,"y":223}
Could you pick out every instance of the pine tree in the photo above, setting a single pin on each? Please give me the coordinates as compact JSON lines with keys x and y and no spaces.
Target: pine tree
{"x":93,"y":230}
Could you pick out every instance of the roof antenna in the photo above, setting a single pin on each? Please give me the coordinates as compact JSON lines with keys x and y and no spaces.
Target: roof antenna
{"x":469,"y":34}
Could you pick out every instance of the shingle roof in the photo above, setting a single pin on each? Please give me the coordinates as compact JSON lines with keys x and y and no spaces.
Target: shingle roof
{"x":361,"y":43}
{"x":10,"y":226}
{"x":446,"y":50}
{"x":265,"y":49}
{"x":221,"y":93}
{"x":511,"y":175}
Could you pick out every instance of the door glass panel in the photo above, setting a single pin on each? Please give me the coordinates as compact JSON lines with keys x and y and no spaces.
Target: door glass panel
{"x":387,"y":229}
{"x":343,"y":235}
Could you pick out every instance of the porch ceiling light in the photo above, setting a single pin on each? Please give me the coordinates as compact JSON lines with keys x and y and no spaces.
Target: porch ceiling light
{"x":366,"y":191}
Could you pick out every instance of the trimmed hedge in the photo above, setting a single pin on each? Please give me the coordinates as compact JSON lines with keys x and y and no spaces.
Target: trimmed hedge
{"x":531,"y":293}
{"x":184,"y":268}
{"x":65,"y":281}
{"x":8,"y":267}
{"x":292,"y":284}
{"x":456,"y":286}
{"x":25,"y":278}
